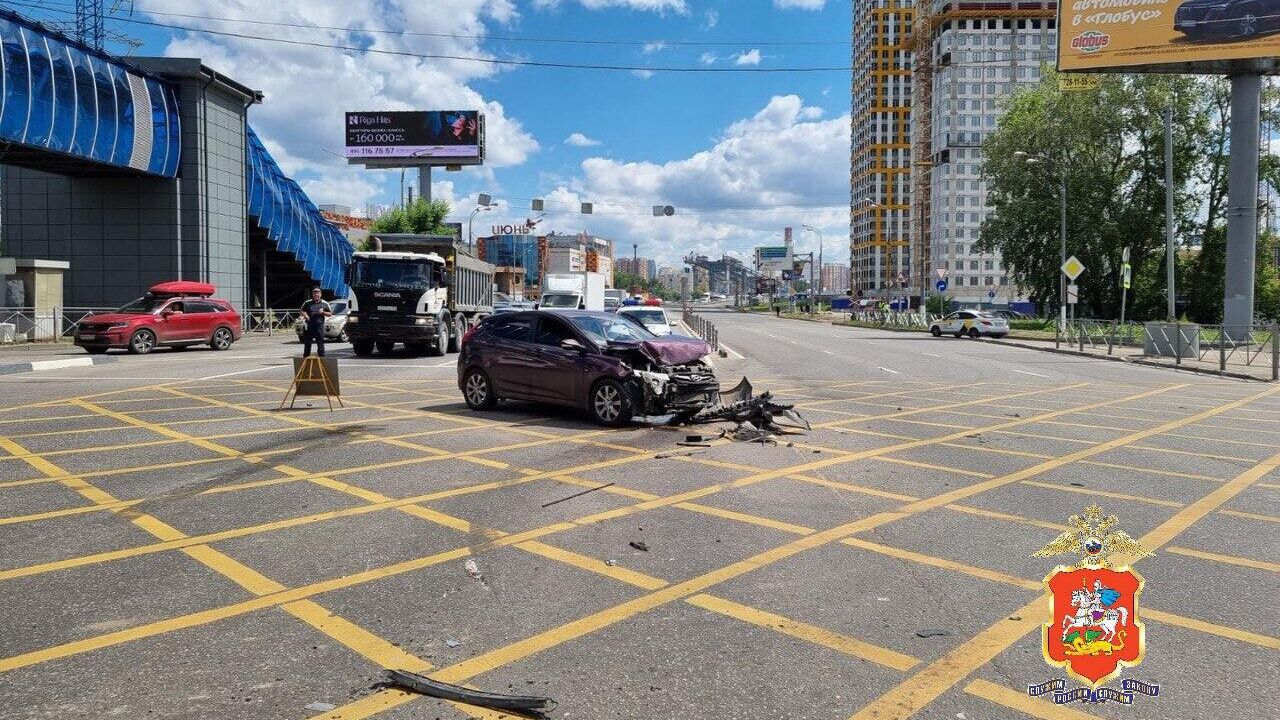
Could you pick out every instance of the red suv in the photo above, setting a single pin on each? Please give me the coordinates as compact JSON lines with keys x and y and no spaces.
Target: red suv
{"x":174,"y":314}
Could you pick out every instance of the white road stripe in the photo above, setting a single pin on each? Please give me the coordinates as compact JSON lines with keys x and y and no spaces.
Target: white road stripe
{"x":828,"y":352}
{"x":1028,"y":372}
{"x":895,"y":372}
{"x":241,"y":372}
{"x":931,"y":355}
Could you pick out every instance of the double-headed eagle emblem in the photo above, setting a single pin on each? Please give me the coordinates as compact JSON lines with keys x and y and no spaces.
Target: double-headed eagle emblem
{"x":1092,"y":541}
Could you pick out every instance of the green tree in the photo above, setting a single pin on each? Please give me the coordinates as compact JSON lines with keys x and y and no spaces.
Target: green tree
{"x":1108,"y":143}
{"x":419,"y":218}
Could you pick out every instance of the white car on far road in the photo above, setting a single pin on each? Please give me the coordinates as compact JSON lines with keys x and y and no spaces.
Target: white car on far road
{"x":974,"y":323}
{"x":653,"y":318}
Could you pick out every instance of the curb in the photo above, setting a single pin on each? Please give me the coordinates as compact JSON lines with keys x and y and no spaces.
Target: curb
{"x":38,"y":365}
{"x":1147,"y":363}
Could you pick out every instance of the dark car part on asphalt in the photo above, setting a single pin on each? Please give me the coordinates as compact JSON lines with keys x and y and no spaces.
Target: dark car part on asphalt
{"x":762,"y":412}
{"x":639,"y":545}
{"x":480,"y":698}
{"x":577,"y":494}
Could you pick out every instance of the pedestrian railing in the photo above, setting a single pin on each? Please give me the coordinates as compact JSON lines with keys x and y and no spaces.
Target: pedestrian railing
{"x":29,"y":326}
{"x":1222,"y":345}
{"x":269,"y":321}
{"x":893,"y":319}
{"x":701,"y":327}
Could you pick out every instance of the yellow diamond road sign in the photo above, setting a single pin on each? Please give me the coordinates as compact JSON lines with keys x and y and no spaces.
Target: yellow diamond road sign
{"x":1072,"y":268}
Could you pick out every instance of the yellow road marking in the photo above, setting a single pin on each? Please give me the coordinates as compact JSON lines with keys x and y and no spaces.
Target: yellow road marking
{"x":1228,"y":559}
{"x":745,"y":518}
{"x":901,"y":554}
{"x":1250,"y":516}
{"x":377,"y":650}
{"x":1020,"y":701}
{"x":1212,"y":629}
{"x":939,"y":468}
{"x":1152,"y":471}
{"x":1102,"y":493}
{"x":998,"y":451}
{"x":983,"y":512}
{"x":1225,"y":458}
{"x":590,"y":564}
{"x":804,"y":631}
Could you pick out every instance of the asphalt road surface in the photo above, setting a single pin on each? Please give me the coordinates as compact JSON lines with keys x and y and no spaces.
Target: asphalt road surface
{"x":172,"y":545}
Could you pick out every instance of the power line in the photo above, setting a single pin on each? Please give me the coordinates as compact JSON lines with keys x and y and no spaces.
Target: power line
{"x":503,"y":38}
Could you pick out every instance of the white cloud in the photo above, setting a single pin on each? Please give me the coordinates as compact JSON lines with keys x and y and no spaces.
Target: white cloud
{"x":708,"y":58}
{"x":579,"y":140}
{"x":800,"y":4}
{"x":642,"y":74}
{"x":780,"y":167}
{"x":677,"y":6}
{"x":307,"y":89}
{"x":750,"y":57}
{"x":710,"y":18}
{"x":653,"y":47}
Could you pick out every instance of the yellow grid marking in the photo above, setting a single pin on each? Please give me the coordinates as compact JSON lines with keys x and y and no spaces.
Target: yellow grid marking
{"x":1212,"y":629}
{"x":1102,"y":493}
{"x":985,"y":513}
{"x":590,"y":564}
{"x":1153,"y":471}
{"x":929,"y":466}
{"x":999,"y":451}
{"x":1224,"y":458}
{"x":745,"y":518}
{"x":1020,"y":701}
{"x":1250,"y":516}
{"x":804,"y":631}
{"x":1228,"y":559}
{"x":922,"y":559}
{"x":375,"y":649}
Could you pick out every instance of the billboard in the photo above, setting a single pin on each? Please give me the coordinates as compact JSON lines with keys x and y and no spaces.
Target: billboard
{"x":417,"y":137}
{"x":773,"y":259}
{"x":1168,"y":35}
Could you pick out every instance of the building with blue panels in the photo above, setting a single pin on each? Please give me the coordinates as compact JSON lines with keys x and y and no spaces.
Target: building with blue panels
{"x":520,"y":251}
{"x":141,"y":170}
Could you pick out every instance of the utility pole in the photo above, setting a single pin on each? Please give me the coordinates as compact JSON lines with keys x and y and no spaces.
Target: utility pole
{"x":424,"y":182}
{"x":1242,"y":205}
{"x":1062,"y":245}
{"x":1169,"y":260}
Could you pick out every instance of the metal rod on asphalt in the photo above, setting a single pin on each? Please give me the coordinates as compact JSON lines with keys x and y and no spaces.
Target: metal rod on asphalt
{"x":579,"y":494}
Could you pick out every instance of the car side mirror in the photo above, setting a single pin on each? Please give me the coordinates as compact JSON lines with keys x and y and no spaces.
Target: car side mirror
{"x":572,"y":344}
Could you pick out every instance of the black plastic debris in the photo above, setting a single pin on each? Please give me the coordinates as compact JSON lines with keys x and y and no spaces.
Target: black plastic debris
{"x":639,"y":545}
{"x":480,"y":698}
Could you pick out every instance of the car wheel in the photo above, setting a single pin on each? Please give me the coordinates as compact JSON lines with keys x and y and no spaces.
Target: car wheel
{"x":222,"y":339}
{"x":610,"y":404}
{"x":935,"y":331}
{"x":478,"y":391}
{"x":362,"y":348}
{"x":95,"y":350}
{"x":342,"y":336}
{"x":974,"y":334}
{"x":442,"y":340}
{"x":142,"y":342}
{"x":385,"y":346}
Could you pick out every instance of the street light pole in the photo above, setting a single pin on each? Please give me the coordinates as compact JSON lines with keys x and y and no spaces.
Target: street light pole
{"x":1062,"y":246}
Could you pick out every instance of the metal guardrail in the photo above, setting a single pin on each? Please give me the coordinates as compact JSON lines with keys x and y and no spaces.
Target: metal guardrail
{"x":702,"y":327}
{"x":269,"y":322}
{"x":28,"y":326}
{"x":1225,"y":345}
{"x":893,"y":319}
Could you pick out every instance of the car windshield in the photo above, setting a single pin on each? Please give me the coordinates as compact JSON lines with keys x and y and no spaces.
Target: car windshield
{"x":560,"y":301}
{"x":605,"y":330}
{"x":146,"y":304}
{"x":650,"y":317}
{"x":411,"y":275}
{"x":338,"y":307}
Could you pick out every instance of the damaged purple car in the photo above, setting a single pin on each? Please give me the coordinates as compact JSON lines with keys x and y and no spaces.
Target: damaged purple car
{"x":606,"y":364}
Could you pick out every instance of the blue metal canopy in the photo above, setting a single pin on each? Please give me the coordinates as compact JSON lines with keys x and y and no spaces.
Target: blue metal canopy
{"x":61,"y":97}
{"x":293,"y":222}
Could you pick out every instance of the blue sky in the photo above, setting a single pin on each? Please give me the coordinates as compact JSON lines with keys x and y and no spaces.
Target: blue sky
{"x":775,"y":142}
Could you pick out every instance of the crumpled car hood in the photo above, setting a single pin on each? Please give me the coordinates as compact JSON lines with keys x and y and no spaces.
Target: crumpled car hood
{"x":674,"y":350}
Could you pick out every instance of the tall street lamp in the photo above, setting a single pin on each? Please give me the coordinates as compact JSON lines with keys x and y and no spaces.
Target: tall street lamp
{"x":813,"y":229}
{"x":1052,"y":166}
{"x":471,"y":239}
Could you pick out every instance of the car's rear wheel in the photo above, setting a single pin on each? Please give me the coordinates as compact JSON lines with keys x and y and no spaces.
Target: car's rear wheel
{"x":362,"y":348}
{"x":385,"y":346}
{"x":95,"y":349}
{"x":974,"y":334}
{"x":935,"y":331}
{"x":142,"y":342}
{"x":477,"y":390}
{"x":222,"y":339}
{"x":610,"y":403}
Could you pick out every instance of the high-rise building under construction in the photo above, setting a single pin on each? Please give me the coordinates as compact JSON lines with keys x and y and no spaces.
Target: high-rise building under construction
{"x":918,"y":198}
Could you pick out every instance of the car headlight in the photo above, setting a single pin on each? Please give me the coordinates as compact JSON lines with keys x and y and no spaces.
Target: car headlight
{"x":422,"y":321}
{"x":352,"y":318}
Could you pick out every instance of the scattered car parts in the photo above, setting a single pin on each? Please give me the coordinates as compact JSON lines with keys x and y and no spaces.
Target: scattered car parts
{"x":480,"y":698}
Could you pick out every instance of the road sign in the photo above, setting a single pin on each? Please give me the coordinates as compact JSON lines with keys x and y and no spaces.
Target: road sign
{"x":1073,"y":294}
{"x":941,"y":285}
{"x":1124,"y":257}
{"x":901,"y":279}
{"x":1072,"y":268}
{"x":991,"y":294}
{"x":1126,"y":275}
{"x":942,"y":273}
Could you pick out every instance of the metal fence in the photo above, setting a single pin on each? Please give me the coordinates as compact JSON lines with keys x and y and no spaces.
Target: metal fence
{"x":702,"y":328}
{"x":1224,"y":345}
{"x":36,"y":327}
{"x":893,"y":319}
{"x":269,"y":322}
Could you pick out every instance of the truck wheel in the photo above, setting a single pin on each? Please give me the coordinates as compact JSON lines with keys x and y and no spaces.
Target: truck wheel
{"x":442,"y":339}
{"x":459,"y":329}
{"x":385,"y":346}
{"x":362,"y":348}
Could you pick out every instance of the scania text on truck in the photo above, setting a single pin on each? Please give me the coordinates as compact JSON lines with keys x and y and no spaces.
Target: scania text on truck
{"x":420,"y":290}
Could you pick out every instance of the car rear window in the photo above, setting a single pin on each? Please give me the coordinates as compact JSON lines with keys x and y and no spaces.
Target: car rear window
{"x":649,"y":316}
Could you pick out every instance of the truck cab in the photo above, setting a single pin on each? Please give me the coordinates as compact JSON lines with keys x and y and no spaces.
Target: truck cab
{"x":397,"y":297}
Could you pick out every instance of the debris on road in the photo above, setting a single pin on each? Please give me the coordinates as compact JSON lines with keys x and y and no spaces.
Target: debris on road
{"x":451,"y":642}
{"x":639,"y":545}
{"x":664,"y":456}
{"x":578,"y":494}
{"x":474,"y":571}
{"x":480,"y":698}
{"x":932,"y":633}
{"x":320,"y":707}
{"x":693,"y":444}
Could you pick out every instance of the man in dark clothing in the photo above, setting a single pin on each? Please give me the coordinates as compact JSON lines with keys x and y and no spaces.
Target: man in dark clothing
{"x":314,"y":312}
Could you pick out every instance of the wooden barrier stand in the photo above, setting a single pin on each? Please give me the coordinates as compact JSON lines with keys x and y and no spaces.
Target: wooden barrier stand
{"x":314,"y":376}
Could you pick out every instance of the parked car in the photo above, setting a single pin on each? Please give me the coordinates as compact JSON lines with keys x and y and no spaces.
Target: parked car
{"x":503,"y":303}
{"x":174,"y":314}
{"x":653,"y":318}
{"x":1227,"y":19}
{"x":609,"y":366}
{"x":974,"y":323}
{"x":335,"y":328}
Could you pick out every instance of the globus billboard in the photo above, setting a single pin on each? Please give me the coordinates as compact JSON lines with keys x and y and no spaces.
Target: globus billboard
{"x":415,"y":137}
{"x":1185,"y":36}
